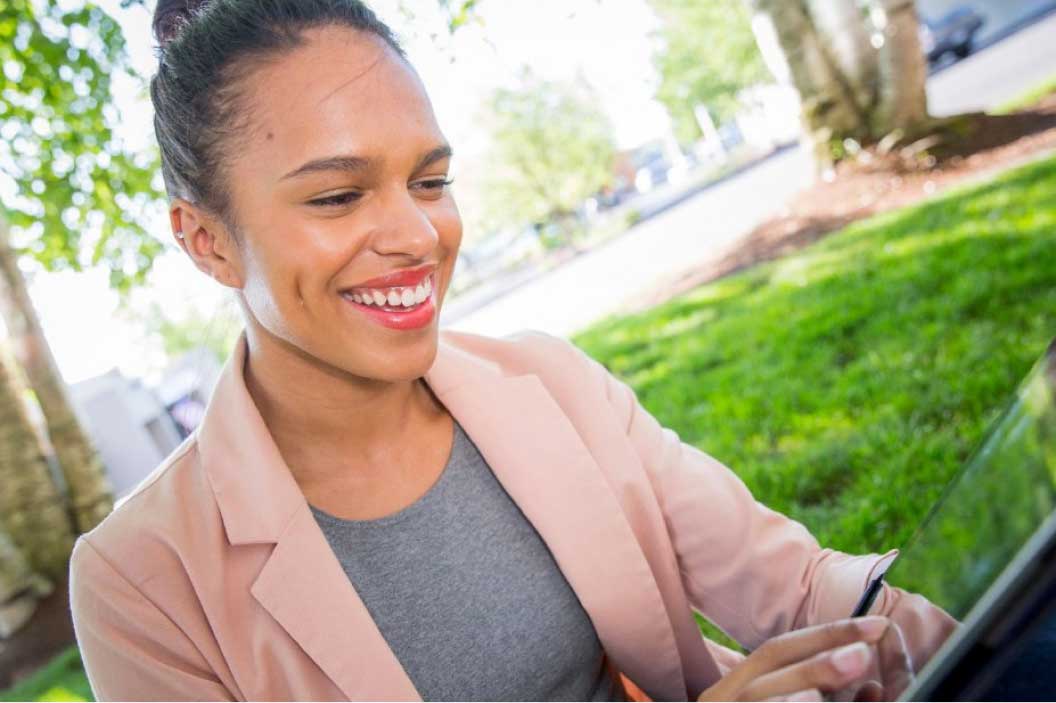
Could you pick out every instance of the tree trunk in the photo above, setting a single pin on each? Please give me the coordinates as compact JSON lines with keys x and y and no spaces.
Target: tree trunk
{"x":20,"y":588}
{"x":830,"y":108}
{"x":857,"y":78}
{"x":86,"y":483}
{"x":902,"y":101}
{"x":32,"y":510}
{"x":849,"y":39}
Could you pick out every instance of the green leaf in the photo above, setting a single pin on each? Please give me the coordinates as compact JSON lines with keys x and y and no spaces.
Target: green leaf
{"x":70,"y":86}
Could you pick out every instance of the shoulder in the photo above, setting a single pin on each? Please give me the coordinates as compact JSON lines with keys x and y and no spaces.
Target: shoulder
{"x":549,"y":357}
{"x":576,"y":381}
{"x":147,"y":530}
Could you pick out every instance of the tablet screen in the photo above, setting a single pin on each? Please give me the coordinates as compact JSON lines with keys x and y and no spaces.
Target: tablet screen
{"x":1002,"y":495}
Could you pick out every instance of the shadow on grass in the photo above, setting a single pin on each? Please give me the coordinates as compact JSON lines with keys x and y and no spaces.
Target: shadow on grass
{"x":846,"y":383}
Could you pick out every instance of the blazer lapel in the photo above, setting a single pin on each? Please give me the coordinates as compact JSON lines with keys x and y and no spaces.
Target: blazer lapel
{"x":302,"y":584}
{"x":541,"y":461}
{"x":305,"y":589}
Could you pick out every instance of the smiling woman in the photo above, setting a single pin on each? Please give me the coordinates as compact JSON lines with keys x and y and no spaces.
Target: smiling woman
{"x":373,"y":509}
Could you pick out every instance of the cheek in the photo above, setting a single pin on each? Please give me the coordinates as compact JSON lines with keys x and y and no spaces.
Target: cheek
{"x":275,"y":290}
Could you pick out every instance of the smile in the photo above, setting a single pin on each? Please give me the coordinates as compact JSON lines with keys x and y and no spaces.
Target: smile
{"x":396,"y":307}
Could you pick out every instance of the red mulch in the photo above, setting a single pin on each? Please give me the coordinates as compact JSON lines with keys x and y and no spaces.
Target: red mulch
{"x":971,"y":147}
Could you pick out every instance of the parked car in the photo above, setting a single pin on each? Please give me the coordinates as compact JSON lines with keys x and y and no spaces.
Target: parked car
{"x":953,"y":33}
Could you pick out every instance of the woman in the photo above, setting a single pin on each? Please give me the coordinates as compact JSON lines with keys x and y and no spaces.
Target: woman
{"x":374,"y":510}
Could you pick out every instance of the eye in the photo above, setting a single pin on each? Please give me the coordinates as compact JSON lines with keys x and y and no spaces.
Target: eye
{"x":433,"y":187}
{"x":336,"y":200}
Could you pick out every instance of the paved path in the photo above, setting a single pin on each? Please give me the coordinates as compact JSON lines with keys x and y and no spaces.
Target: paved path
{"x":699,"y":230}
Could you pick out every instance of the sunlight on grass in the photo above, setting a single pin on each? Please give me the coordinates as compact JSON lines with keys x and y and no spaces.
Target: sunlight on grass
{"x":59,"y":693}
{"x":847,"y":382}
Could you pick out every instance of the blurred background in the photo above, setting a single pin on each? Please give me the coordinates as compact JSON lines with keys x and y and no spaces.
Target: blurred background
{"x":816,"y":237}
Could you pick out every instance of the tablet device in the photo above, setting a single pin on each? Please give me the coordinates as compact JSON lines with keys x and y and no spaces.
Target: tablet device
{"x":986,"y":553}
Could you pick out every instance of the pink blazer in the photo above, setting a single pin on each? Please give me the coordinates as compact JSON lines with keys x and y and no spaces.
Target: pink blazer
{"x":213,"y":581}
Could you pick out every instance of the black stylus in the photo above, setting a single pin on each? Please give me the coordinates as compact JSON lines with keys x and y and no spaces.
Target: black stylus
{"x":868,"y":597}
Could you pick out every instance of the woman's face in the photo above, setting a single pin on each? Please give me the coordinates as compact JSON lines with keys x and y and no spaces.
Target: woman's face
{"x":340,"y":178}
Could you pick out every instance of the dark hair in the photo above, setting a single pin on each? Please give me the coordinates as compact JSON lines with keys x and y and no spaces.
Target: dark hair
{"x":205,"y":47}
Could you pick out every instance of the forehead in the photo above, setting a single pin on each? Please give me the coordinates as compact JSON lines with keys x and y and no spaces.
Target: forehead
{"x":342,"y":92}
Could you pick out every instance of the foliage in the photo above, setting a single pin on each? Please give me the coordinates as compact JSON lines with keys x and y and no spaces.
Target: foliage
{"x":78,"y":194}
{"x":215,"y":331}
{"x":847,"y":383}
{"x":459,"y":13}
{"x":708,"y":54}
{"x":62,"y":679}
{"x":552,"y":149}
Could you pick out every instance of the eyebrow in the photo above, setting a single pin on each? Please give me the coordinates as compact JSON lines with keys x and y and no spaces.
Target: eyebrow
{"x":359,"y":163}
{"x":438,"y":154}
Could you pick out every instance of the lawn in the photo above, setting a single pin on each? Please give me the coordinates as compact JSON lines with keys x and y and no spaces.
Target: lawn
{"x":846,"y":383}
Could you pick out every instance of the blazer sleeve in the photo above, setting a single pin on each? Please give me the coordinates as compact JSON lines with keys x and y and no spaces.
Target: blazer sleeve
{"x":131,"y":650}
{"x":752,"y":571}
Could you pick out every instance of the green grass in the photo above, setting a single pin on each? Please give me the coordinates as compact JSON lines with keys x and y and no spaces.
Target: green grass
{"x":1027,"y":99}
{"x":62,"y":679}
{"x":848,"y":382}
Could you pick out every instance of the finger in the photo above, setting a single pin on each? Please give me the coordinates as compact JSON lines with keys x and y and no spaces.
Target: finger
{"x":828,"y":672}
{"x":809,"y":695}
{"x":895,"y":663}
{"x":799,"y":645}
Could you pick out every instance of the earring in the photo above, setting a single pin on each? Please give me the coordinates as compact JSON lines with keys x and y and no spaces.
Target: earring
{"x":179,"y":234}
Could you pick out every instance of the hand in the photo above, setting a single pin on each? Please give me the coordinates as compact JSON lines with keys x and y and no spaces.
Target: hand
{"x":860,"y":657}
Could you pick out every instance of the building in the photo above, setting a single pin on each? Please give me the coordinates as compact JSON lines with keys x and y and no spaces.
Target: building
{"x":128,"y":424}
{"x":135,"y":427}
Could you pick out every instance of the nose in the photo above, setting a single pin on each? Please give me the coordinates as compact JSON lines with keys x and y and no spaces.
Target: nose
{"x":403,"y":227}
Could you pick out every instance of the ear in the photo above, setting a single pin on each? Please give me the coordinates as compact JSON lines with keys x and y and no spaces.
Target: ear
{"x":208,"y":241}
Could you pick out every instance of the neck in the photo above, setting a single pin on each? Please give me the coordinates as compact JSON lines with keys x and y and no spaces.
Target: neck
{"x":323,"y":419}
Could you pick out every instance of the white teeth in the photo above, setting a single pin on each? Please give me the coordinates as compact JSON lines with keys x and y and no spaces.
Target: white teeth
{"x":395,"y":297}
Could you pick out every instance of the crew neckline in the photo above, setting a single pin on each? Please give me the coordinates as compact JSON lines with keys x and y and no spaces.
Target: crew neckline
{"x":414,"y":508}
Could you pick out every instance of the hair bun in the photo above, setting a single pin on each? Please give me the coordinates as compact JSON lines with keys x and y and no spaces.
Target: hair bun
{"x":171,"y":16}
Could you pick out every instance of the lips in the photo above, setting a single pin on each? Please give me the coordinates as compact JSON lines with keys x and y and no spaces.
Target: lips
{"x":410,"y":318}
{"x":405,"y":277}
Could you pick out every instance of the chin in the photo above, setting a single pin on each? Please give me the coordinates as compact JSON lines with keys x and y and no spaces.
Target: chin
{"x":395,"y":365}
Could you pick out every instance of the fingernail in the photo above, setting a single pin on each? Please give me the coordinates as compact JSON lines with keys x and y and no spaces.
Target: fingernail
{"x":872,"y":627}
{"x":851,"y":660}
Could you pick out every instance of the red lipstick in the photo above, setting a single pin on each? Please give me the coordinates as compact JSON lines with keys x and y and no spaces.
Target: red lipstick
{"x":406,"y":277}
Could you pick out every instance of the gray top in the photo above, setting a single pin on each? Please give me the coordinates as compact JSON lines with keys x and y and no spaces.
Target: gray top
{"x":467,"y":594}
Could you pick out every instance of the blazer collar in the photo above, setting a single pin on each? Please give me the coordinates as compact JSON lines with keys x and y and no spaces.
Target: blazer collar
{"x":541,"y":461}
{"x":254,"y":488}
